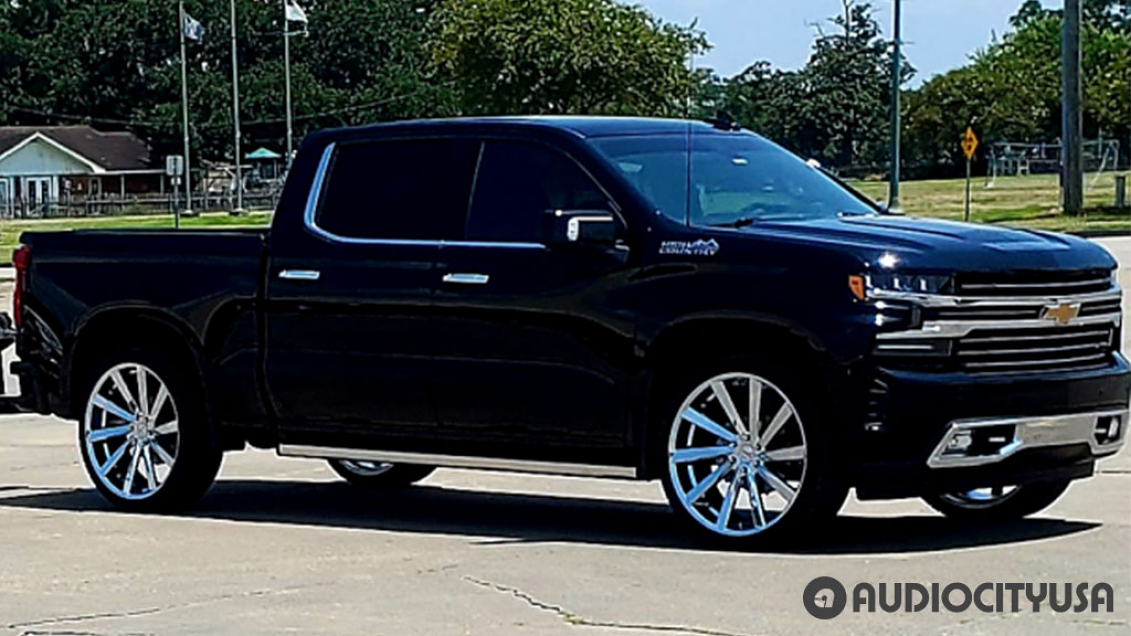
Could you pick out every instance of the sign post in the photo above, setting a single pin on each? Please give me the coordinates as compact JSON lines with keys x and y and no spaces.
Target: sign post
{"x":969,"y":146}
{"x":175,"y":168}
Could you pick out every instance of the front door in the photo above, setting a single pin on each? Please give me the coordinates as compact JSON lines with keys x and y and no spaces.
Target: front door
{"x":532,"y":355}
{"x":349,"y":348}
{"x":5,"y":198}
{"x":38,"y":193}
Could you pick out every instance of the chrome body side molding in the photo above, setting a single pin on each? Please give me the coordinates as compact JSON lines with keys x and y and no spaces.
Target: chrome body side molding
{"x":457,"y":461}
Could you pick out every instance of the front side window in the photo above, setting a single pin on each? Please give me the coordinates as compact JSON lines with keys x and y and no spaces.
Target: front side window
{"x":728,"y":179}
{"x":518,"y":183}
{"x":401,"y":189}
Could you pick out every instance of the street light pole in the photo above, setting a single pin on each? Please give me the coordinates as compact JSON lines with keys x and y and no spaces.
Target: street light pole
{"x":287,"y":73}
{"x":187,"y":175}
{"x":896,"y":74}
{"x":1071,"y":136}
{"x":236,"y":113}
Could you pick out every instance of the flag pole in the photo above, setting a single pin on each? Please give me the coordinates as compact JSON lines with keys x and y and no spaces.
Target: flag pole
{"x":287,"y":73}
{"x":187,"y":176}
{"x":236,"y":113}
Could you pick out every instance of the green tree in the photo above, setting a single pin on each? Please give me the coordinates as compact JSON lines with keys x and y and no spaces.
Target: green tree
{"x":564,"y":56}
{"x":116,"y":63}
{"x":837,"y":107}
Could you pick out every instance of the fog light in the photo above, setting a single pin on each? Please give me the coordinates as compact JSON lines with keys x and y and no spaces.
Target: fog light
{"x":1108,"y":429}
{"x":959,"y":444}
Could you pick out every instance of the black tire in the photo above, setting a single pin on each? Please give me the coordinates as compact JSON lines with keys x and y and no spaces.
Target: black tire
{"x":378,"y":476}
{"x":1026,"y":500}
{"x":196,"y":457}
{"x":821,"y":492}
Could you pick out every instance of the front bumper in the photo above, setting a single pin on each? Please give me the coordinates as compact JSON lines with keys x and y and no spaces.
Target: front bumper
{"x":1022,"y":429}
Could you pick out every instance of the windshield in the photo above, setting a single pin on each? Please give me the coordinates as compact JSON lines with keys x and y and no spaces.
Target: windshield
{"x":731,"y":179}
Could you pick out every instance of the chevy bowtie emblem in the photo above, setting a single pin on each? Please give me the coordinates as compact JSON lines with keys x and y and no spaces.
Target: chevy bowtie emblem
{"x":1063,"y":313}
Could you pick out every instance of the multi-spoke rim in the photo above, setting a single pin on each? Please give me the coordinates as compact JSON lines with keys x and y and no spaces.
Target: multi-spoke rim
{"x":131,"y":431}
{"x":364,"y":468}
{"x":737,"y":454}
{"x":981,"y":497}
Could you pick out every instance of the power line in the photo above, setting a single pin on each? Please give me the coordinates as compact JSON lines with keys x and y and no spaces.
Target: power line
{"x":135,"y":123}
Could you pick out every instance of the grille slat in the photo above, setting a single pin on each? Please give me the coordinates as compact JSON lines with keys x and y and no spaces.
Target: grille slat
{"x":1058,"y":362}
{"x":1044,"y":337}
{"x":1034,"y":283}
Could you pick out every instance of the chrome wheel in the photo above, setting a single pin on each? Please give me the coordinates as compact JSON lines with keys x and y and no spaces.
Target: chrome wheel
{"x":365,"y":468}
{"x":981,"y":497}
{"x":131,"y":432}
{"x":737,"y":454}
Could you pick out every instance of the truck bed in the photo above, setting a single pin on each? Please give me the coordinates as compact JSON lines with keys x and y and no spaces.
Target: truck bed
{"x":205,"y":283}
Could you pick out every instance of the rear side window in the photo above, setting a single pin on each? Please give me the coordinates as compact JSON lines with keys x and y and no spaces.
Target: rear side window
{"x":518,"y":183}
{"x":404,"y":189}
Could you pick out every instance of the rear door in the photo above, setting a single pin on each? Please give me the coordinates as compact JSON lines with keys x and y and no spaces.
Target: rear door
{"x":531,"y":352}
{"x":349,"y":345}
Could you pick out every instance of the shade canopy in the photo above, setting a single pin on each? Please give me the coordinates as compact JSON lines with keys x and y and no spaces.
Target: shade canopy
{"x":264,"y":154}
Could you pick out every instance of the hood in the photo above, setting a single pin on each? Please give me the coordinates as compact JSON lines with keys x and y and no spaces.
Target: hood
{"x":944,"y":246}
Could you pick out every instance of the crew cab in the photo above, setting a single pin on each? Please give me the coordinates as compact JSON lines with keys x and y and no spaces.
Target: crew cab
{"x":612,"y":297}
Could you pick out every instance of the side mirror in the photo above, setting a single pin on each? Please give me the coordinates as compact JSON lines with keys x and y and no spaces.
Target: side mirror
{"x":581,"y":227}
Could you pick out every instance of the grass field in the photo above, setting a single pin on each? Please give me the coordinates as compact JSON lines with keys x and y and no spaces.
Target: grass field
{"x":1019,"y":201}
{"x":10,"y":230}
{"x":1031,"y":201}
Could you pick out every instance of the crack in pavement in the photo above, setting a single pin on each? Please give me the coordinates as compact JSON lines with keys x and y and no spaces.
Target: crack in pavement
{"x":81,"y":618}
{"x":570,"y":618}
{"x":76,"y":633}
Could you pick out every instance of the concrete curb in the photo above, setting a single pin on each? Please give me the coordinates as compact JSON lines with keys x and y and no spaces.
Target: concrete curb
{"x":7,"y":274}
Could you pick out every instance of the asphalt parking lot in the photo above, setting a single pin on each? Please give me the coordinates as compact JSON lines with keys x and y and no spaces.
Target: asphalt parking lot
{"x":281,"y":546}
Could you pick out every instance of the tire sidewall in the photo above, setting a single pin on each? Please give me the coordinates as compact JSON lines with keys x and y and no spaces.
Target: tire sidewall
{"x":398,"y":475}
{"x":1029,"y":499}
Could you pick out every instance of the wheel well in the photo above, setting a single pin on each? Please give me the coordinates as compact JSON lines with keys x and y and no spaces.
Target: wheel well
{"x":113,"y":330}
{"x":711,"y":337}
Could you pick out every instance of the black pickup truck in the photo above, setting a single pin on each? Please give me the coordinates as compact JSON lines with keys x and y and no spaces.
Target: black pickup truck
{"x":634,"y":298}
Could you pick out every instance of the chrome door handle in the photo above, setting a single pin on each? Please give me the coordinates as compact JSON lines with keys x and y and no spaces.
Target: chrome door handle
{"x":467,"y":279}
{"x":300,"y":274}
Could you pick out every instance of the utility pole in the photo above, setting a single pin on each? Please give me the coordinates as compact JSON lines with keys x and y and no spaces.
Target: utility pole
{"x":187,"y":176}
{"x":1072,"y":179}
{"x":896,"y":74}
{"x":236,"y":113}
{"x":287,"y":73}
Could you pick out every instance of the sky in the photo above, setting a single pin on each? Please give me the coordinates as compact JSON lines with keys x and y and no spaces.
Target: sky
{"x":939,"y":34}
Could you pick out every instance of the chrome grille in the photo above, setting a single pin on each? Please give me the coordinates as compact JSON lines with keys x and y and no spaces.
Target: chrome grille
{"x":1004,"y":351}
{"x":1008,"y":325}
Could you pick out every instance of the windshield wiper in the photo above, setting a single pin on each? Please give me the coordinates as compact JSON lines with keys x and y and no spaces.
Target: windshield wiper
{"x":740,"y":222}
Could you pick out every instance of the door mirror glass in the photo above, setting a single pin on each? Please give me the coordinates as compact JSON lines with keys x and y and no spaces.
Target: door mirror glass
{"x":581,"y":227}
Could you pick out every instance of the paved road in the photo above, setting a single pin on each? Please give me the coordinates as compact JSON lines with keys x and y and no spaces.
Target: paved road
{"x":281,"y":546}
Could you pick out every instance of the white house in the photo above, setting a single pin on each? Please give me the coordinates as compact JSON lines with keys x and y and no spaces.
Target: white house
{"x":49,"y":164}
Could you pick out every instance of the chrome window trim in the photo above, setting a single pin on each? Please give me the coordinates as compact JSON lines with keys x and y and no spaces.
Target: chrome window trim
{"x":314,"y":199}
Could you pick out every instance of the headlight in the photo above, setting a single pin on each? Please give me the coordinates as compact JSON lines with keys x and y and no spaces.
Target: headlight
{"x":909,"y":283}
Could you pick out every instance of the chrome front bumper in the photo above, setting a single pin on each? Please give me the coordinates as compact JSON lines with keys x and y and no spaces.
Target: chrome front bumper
{"x":980,"y":442}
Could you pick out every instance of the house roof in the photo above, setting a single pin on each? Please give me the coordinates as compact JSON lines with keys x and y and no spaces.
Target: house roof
{"x":109,"y":150}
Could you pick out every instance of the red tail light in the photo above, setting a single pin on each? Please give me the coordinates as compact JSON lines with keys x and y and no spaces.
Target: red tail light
{"x":21,"y":259}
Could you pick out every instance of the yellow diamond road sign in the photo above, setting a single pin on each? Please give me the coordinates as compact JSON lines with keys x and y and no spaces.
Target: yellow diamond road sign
{"x":969,"y":143}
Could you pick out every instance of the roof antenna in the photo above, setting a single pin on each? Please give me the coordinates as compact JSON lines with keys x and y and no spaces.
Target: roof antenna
{"x":724,"y":121}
